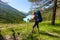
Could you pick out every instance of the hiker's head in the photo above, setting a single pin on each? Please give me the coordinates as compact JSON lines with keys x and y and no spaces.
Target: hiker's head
{"x":34,"y":13}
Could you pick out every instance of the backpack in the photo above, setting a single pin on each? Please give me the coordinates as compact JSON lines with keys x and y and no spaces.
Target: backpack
{"x":38,"y":15}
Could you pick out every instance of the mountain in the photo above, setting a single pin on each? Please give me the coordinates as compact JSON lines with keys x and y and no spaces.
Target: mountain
{"x":10,"y":14}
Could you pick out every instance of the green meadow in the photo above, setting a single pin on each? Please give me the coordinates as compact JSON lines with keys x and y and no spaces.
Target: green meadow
{"x":47,"y":31}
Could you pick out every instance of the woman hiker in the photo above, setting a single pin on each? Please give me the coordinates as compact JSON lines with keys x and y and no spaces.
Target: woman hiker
{"x":37,"y":18}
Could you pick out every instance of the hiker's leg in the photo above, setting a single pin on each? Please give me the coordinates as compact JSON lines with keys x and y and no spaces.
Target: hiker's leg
{"x":34,"y":27}
{"x":38,"y":26}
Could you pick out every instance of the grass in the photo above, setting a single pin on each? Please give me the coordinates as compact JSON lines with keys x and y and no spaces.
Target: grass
{"x":47,"y":31}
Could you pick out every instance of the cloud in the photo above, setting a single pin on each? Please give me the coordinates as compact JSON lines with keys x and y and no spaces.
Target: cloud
{"x":28,"y":18}
{"x":6,"y":1}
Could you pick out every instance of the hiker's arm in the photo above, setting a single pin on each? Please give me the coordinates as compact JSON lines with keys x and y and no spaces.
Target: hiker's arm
{"x":34,"y":18}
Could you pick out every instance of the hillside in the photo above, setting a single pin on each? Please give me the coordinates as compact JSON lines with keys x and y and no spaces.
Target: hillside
{"x":10,"y":14}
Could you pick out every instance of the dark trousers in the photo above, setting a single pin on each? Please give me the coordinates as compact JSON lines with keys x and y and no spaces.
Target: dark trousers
{"x":36,"y":24}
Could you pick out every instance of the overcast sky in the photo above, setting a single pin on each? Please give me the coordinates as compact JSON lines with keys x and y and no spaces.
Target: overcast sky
{"x":21,"y":5}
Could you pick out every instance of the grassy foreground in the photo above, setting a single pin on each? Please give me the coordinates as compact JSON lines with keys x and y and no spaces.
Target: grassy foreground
{"x":47,"y":31}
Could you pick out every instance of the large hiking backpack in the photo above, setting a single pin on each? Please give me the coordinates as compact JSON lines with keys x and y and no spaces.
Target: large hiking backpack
{"x":38,"y":15}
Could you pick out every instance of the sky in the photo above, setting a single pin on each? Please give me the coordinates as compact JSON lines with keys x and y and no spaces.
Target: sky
{"x":21,"y":5}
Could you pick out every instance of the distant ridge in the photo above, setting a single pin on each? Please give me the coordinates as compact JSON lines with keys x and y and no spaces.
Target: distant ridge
{"x":10,"y":14}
